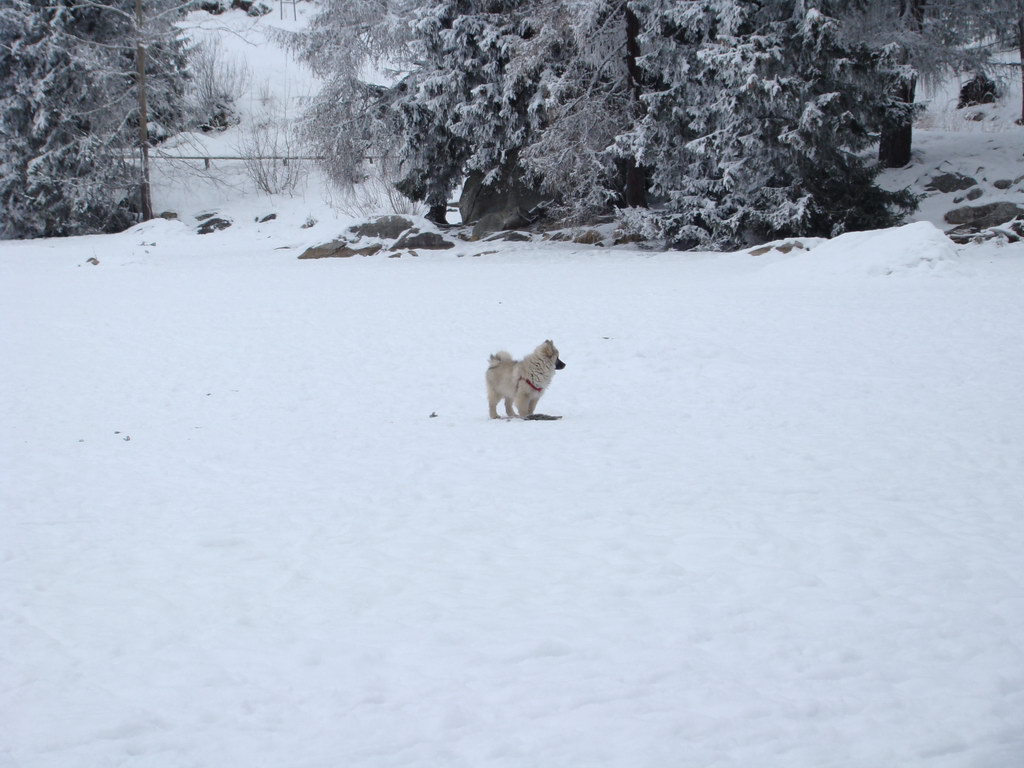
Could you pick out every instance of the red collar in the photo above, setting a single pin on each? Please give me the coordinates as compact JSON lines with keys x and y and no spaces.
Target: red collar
{"x":532,"y":385}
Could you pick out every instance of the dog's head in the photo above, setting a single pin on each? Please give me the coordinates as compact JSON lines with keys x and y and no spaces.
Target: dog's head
{"x":548,"y":350}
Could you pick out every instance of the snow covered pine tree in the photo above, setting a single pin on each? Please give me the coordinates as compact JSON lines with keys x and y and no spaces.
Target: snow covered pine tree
{"x":69,"y":111}
{"x":499,"y":89}
{"x":474,"y":103}
{"x":758,"y":127}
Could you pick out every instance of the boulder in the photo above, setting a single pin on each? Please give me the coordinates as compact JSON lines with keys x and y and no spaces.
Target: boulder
{"x":430,"y":241}
{"x":213,"y":224}
{"x":949,"y":182}
{"x":588,"y":237}
{"x":497,"y":222}
{"x":982,"y":216}
{"x":784,"y":247}
{"x":966,"y":234}
{"x":339,"y":249}
{"x":511,"y":236}
{"x":383,"y":227}
{"x":508,"y":204}
{"x":622,"y":237}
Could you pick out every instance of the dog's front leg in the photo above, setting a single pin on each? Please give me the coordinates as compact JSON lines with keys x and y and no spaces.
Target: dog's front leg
{"x":508,"y":408}
{"x":523,"y":406}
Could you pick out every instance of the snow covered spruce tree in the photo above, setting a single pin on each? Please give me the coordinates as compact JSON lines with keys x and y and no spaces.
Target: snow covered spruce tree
{"x":537,"y":90}
{"x":70,"y":106}
{"x":592,"y":95}
{"x":498,"y":89}
{"x":758,"y":127}
{"x":475,"y":101}
{"x":417,"y":86}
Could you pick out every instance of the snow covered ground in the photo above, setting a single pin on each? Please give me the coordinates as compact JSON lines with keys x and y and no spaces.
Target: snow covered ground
{"x":253,"y":512}
{"x":779,"y":525}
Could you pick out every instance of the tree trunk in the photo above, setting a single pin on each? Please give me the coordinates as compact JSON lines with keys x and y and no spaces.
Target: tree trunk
{"x":140,"y":69}
{"x":438,"y":214}
{"x":1020,"y":49}
{"x":895,"y":143}
{"x":635,"y":192}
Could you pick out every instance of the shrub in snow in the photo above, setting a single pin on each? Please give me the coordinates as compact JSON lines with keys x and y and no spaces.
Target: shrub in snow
{"x":217,"y":84}
{"x":980,"y":89}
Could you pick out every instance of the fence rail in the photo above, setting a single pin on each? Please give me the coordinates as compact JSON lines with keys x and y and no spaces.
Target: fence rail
{"x":208,"y":158}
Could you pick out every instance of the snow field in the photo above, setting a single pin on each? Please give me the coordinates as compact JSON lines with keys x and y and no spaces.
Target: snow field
{"x":779,"y":524}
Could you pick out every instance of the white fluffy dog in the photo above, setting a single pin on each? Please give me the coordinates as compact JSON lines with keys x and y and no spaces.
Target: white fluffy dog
{"x":521,"y":381}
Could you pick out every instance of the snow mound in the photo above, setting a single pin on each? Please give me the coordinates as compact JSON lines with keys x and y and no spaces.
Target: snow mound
{"x":913,"y":247}
{"x":156,"y":228}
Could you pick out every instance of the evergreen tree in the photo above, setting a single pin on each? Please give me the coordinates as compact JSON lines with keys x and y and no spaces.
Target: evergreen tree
{"x":540,"y":88}
{"x":760,"y":123}
{"x":70,"y":111}
{"x":506,"y":89}
{"x":592,"y":96}
{"x":474,"y":103}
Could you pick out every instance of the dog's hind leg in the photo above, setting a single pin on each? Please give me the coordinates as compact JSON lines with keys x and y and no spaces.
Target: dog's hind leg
{"x":492,"y":402}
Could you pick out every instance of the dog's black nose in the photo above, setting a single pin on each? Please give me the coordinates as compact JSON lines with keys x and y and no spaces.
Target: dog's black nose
{"x":559,"y":365}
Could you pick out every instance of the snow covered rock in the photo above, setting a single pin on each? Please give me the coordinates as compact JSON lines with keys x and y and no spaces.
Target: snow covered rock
{"x":339,"y":249}
{"x":950,"y":182}
{"x":431,"y":241}
{"x":981,"y":216}
{"x":383,"y":227}
{"x":783,"y":246}
{"x":214,"y":224}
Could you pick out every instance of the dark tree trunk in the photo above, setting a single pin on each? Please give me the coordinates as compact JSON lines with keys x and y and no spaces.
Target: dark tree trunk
{"x":438,"y":214}
{"x":635,"y":192}
{"x":1020,"y":49}
{"x":895,"y":143}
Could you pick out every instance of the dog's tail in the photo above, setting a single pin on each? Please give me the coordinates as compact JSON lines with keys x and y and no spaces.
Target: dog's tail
{"x":499,"y":358}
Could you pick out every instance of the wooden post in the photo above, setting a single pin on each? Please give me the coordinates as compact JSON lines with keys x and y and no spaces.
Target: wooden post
{"x":1020,"y":50}
{"x":140,"y":68}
